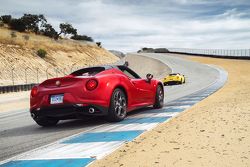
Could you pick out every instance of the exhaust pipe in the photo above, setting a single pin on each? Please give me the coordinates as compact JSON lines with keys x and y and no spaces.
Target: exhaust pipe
{"x":33,"y":115}
{"x":91,"y":110}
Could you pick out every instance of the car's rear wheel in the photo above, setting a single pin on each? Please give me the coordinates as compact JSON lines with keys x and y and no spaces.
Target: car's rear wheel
{"x":159,"y":97}
{"x":46,"y":122}
{"x":118,"y":106}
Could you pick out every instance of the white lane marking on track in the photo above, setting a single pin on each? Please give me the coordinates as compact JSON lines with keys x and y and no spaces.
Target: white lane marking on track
{"x":178,"y":107}
{"x":190,"y":100}
{"x":125,"y":127}
{"x":161,"y":114}
{"x":73,"y":150}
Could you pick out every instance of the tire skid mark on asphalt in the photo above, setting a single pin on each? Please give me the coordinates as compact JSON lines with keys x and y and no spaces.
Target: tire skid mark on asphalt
{"x":84,"y":148}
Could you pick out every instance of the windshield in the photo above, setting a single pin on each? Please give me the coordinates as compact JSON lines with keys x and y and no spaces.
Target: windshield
{"x":130,"y":73}
{"x":172,"y":74}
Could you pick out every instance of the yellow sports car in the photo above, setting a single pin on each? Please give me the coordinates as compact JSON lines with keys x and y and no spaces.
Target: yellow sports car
{"x":174,"y":78}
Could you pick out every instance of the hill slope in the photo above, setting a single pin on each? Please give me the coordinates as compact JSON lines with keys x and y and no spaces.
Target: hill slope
{"x":19,"y":61}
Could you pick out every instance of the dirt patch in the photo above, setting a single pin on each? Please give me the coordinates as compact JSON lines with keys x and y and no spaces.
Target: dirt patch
{"x":214,"y":132}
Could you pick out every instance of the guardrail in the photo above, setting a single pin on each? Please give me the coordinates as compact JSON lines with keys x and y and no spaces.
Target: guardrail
{"x":223,"y":53}
{"x":26,"y":75}
{"x":16,"y":88}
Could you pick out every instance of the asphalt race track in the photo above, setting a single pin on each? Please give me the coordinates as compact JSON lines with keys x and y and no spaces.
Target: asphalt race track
{"x":19,"y":133}
{"x":198,"y":76}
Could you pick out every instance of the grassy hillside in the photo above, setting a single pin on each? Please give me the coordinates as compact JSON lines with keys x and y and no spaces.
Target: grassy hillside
{"x":20,"y":63}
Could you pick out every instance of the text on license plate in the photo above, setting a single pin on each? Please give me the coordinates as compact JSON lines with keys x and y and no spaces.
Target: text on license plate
{"x":56,"y":99}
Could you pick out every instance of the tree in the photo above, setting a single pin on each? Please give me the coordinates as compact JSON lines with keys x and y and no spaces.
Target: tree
{"x":32,"y":22}
{"x":17,"y":24}
{"x":99,"y":44}
{"x":82,"y":37}
{"x":6,"y":19}
{"x":49,"y":31}
{"x":67,"y":28}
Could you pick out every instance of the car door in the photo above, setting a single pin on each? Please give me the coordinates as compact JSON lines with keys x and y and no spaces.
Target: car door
{"x":144,"y":89}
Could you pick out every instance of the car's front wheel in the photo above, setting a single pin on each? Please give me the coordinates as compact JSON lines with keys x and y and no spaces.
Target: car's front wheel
{"x":46,"y":122}
{"x":118,"y":106}
{"x":159,"y":97}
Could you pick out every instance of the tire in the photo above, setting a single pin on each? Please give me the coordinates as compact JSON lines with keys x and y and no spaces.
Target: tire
{"x":180,"y":82}
{"x":165,"y":84}
{"x":46,"y":122}
{"x":159,"y":97}
{"x":118,"y":106}
{"x":184,"y":80}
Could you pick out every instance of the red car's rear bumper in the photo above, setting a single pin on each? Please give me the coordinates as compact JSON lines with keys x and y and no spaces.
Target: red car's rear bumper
{"x":68,"y":111}
{"x":72,"y":106}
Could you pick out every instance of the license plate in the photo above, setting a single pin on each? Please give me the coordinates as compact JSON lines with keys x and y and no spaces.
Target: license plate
{"x":56,"y":99}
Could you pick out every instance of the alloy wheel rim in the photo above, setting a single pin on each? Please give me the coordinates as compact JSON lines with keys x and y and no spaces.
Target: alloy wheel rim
{"x":160,"y":96}
{"x":120,"y":104}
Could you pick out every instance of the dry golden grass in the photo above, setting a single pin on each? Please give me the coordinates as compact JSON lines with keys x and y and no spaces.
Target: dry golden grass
{"x":18,"y":54}
{"x":33,"y":41}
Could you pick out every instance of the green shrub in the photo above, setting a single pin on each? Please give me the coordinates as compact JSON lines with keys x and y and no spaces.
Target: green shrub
{"x":13,"y":34}
{"x":26,"y":37}
{"x":5,"y":19}
{"x":82,"y":38}
{"x":17,"y":24}
{"x":41,"y":53}
{"x":99,"y":44}
{"x":1,"y":24}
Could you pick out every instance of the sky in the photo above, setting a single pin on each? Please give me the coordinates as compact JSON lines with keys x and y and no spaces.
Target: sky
{"x":128,"y":25}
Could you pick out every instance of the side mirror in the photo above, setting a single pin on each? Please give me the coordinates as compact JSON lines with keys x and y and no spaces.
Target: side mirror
{"x":149,"y":77}
{"x":126,"y":63}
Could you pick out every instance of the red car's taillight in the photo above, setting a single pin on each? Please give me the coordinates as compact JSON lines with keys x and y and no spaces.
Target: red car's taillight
{"x":91,"y":84}
{"x":34,"y":91}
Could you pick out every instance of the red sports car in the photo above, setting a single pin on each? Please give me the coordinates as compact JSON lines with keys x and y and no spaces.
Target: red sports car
{"x":109,"y":91}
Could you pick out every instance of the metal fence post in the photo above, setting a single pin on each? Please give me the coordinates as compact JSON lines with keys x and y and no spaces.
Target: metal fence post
{"x":12,"y":76}
{"x":72,"y":68}
{"x":47,"y":75}
{"x":65,"y":71}
{"x":37,"y":75}
{"x":25,"y":73}
{"x":56,"y":72}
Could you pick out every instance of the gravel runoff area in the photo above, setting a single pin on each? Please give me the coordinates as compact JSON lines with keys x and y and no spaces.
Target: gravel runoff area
{"x":214,"y":132}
